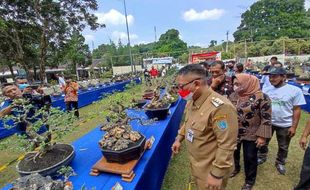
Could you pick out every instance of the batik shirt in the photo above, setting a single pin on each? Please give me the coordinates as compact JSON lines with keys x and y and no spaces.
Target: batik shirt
{"x":254,"y":116}
{"x":225,"y":88}
{"x":71,"y":92}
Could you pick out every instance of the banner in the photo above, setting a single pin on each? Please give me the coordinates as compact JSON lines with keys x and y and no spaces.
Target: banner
{"x":200,"y":57}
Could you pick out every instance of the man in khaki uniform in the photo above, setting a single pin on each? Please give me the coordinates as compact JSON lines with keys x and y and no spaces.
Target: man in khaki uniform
{"x":210,"y":129}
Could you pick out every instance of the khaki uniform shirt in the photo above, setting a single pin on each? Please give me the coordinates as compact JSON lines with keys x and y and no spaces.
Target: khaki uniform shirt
{"x":214,"y":130}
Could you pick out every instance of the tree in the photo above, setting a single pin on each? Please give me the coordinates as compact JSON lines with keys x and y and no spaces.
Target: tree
{"x":171,"y":44}
{"x":58,"y":19}
{"x":17,"y":35}
{"x":77,"y":53}
{"x":183,"y":58}
{"x":54,"y":22}
{"x":272,"y":19}
{"x":213,"y":43}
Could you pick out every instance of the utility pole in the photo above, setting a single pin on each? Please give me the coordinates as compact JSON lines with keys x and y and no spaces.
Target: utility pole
{"x":234,"y":49}
{"x":245,"y":49}
{"x":155,"y":33}
{"x":227,"y":33}
{"x":283,"y":51}
{"x":129,"y":47}
{"x":93,"y":46}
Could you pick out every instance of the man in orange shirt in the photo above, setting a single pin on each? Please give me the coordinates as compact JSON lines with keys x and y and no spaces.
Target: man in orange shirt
{"x":71,"y":97}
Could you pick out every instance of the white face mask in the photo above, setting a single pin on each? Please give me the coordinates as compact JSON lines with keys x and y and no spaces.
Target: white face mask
{"x":189,"y":96}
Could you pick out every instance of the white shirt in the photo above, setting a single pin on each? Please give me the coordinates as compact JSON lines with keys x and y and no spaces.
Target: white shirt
{"x":61,"y":81}
{"x":283,"y":100}
{"x":265,"y":81}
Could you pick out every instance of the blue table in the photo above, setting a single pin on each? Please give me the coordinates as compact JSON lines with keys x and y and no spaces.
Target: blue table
{"x":94,"y":94}
{"x":85,"y":98}
{"x":152,"y":166}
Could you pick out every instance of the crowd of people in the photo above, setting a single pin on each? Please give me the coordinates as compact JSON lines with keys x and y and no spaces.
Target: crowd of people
{"x":228,"y":110}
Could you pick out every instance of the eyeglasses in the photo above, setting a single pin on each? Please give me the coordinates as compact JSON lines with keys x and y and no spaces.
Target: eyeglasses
{"x":181,"y":86}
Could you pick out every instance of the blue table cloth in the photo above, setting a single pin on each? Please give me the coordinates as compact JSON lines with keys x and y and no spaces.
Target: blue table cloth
{"x":85,"y":98}
{"x":94,"y":94}
{"x":152,"y":166}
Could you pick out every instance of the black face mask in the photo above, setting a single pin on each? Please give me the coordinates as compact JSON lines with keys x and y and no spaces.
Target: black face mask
{"x":230,"y":67}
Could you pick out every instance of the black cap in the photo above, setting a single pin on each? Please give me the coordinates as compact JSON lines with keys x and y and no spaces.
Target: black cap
{"x":276,"y":71}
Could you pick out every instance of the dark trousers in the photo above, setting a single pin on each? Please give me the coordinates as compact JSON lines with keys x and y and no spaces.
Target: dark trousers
{"x":304,"y":183}
{"x":250,"y":160}
{"x":73,"y":105}
{"x":283,"y":140}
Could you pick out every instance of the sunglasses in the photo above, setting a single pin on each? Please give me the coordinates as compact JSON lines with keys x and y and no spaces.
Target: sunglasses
{"x":181,"y":86}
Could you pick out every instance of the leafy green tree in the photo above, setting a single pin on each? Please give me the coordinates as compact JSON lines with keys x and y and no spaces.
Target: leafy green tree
{"x":272,"y":19}
{"x":184,"y":58}
{"x":53,"y":22}
{"x":213,"y":43}
{"x":171,"y":42}
{"x":77,"y":52}
{"x":17,"y":36}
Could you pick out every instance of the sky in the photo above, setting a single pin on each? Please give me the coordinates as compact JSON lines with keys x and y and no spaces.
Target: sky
{"x":198,"y":21}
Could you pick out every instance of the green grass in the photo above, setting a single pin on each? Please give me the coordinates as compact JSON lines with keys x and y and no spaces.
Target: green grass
{"x":178,"y":173}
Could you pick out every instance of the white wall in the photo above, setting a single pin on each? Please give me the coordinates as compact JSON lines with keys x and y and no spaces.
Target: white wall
{"x":125,"y":69}
{"x":280,"y":58}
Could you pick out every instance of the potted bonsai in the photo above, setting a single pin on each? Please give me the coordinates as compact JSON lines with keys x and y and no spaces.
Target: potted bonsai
{"x":120,"y":143}
{"x":158,"y":107}
{"x":304,"y":78}
{"x":171,"y":97}
{"x":44,"y":155}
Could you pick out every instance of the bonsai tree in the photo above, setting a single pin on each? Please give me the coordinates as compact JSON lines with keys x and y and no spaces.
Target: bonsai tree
{"x":66,"y":172}
{"x":34,"y":117}
{"x":119,"y":133}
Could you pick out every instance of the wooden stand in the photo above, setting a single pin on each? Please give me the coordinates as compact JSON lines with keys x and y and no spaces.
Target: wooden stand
{"x":125,"y":170}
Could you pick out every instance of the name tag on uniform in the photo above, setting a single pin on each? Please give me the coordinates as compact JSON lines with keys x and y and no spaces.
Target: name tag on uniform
{"x":190,"y":135}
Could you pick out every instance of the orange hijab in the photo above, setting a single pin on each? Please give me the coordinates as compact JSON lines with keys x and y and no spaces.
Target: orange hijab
{"x":249,"y":84}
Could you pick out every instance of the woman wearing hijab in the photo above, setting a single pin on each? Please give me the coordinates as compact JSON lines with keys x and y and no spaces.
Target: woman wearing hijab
{"x":254,"y":119}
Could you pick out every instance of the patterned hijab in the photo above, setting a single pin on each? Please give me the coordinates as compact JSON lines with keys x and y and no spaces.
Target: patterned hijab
{"x":249,"y":84}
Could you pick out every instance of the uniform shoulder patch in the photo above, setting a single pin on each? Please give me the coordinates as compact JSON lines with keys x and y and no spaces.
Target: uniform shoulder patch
{"x":217,"y":102}
{"x":220,"y":117}
{"x":222,"y":124}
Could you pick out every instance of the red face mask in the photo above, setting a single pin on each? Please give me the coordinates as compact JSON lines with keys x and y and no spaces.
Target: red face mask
{"x":183,"y":93}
